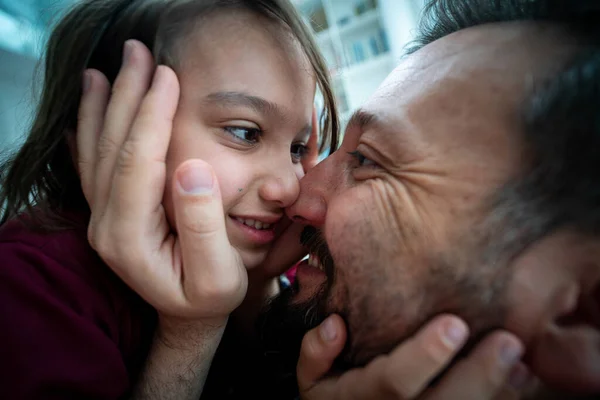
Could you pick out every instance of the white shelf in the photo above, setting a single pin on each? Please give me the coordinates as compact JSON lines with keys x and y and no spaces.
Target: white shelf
{"x":379,"y":61}
{"x":355,"y":26}
{"x":360,"y":23}
{"x":357,"y":50}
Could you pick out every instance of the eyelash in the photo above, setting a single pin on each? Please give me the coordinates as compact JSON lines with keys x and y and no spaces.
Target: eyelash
{"x":298,"y":156}
{"x":358,"y":156}
{"x":301,"y":149}
{"x":231,"y":129}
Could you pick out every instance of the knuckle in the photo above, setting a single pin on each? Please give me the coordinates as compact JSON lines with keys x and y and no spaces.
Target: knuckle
{"x":206,"y":229}
{"x":436,"y":351}
{"x":390,"y":384}
{"x":121,"y":87}
{"x":106,"y":146}
{"x":310,"y":345}
{"x":494,"y":375}
{"x":127,"y":158}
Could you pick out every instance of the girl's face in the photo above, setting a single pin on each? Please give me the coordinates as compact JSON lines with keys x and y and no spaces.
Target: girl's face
{"x":246,"y":103}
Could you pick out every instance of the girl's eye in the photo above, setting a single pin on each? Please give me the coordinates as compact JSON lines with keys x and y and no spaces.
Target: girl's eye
{"x":362,"y":160}
{"x":248,"y":135}
{"x":298,"y":151}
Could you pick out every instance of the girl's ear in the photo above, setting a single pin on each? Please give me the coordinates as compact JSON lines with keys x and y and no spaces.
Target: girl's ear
{"x":312,"y":158}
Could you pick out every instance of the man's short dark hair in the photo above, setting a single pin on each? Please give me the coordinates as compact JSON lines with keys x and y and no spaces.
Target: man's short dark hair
{"x":561,"y":118}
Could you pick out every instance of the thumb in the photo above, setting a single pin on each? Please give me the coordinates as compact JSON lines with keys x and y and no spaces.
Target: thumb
{"x":320,"y":347}
{"x":212,"y":269}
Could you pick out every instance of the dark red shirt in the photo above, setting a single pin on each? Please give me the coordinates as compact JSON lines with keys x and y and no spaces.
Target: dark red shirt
{"x":69,"y":328}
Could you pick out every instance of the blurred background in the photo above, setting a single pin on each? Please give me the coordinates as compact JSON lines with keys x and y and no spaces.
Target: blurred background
{"x":362,"y":41}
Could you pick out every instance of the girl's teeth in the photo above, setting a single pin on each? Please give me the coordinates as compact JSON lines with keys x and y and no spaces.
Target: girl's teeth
{"x":254,"y":224}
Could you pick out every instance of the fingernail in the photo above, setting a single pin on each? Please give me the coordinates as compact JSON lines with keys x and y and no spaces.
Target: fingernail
{"x":127,"y":50}
{"x":510,"y":352}
{"x":327,"y":330}
{"x":519,"y":377}
{"x":87,"y":81}
{"x":195,"y":180}
{"x":455,"y":333}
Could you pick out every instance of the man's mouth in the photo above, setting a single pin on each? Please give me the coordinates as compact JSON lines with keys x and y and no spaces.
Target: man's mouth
{"x":319,"y":255}
{"x":314,"y":261}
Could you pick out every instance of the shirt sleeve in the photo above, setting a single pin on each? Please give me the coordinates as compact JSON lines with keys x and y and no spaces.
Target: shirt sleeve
{"x":53,"y":345}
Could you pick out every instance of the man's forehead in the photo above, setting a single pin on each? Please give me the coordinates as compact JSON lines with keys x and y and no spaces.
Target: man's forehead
{"x":504,"y":59}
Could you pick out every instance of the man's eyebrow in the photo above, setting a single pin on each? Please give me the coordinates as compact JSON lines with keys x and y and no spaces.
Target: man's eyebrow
{"x":362,"y":119}
{"x":239,"y":99}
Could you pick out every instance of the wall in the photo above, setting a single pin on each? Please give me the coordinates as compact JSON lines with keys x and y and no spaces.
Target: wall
{"x":16,"y":94}
{"x":401,"y":18}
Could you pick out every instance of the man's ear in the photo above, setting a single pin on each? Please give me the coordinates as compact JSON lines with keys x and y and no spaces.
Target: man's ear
{"x":555,"y":309}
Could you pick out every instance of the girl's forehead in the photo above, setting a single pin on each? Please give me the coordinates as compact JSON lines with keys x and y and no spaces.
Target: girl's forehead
{"x":226,"y":34}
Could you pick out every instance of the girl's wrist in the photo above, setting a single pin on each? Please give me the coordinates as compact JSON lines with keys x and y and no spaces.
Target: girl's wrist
{"x":185,"y":334}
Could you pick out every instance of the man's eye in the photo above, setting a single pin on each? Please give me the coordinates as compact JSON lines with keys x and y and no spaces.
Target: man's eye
{"x":362,"y":160}
{"x":298,"y":151}
{"x":248,"y":135}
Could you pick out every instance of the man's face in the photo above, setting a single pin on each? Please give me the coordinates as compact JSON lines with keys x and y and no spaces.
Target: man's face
{"x":401,"y":205}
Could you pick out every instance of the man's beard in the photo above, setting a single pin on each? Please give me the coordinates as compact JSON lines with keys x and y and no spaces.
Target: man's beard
{"x":283,"y":323}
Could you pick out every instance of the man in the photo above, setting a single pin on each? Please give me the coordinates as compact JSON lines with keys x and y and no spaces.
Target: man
{"x":455,"y":190}
{"x":467,"y":184}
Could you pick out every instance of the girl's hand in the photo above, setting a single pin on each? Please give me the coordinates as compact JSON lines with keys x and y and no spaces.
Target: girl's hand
{"x":122,"y":145}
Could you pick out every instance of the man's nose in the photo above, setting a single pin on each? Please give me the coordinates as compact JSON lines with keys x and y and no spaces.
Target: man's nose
{"x":311,"y":206}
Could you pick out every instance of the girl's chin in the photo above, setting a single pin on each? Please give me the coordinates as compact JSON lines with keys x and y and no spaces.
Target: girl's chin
{"x":253,"y":259}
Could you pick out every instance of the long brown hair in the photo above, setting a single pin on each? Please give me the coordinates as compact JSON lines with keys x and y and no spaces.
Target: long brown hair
{"x":41,"y":177}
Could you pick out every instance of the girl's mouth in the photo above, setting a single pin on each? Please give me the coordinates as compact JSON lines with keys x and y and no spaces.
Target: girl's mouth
{"x":254,"y":223}
{"x":256,"y":230}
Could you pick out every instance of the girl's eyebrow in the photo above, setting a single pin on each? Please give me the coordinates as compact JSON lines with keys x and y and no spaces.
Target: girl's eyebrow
{"x":240,"y":99}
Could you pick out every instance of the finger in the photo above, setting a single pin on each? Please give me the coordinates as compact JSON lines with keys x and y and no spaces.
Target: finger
{"x":486,"y":370}
{"x":285,"y":251}
{"x":409,"y":369}
{"x":213,"y":273}
{"x":129,"y":89}
{"x":90,"y":120}
{"x":521,"y":384}
{"x":134,"y":215}
{"x":141,"y":166}
{"x":406,"y":371}
{"x":320,"y":347}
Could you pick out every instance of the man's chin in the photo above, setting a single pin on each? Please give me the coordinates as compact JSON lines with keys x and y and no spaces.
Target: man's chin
{"x":283,"y":324}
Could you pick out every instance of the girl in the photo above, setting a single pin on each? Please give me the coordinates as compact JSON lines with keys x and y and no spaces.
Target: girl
{"x":247,"y":71}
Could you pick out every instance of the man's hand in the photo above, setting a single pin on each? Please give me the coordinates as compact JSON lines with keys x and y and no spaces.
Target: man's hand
{"x":407,"y":372}
{"x":122,"y":146}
